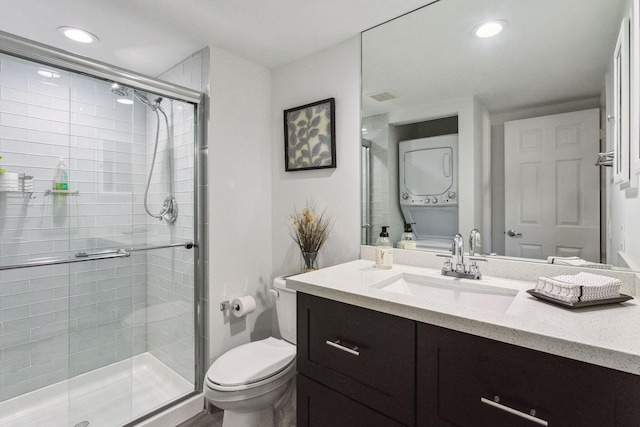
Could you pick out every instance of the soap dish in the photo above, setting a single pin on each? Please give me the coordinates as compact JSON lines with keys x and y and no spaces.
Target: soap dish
{"x":579,"y":304}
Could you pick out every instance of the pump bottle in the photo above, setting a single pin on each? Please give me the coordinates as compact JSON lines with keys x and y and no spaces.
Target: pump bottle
{"x":384,"y":250}
{"x":408,"y":239}
{"x":61,"y":178}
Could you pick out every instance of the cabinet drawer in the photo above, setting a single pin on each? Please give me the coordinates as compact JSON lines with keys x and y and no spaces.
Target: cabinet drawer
{"x":363,"y":353}
{"x":460,"y":375}
{"x":319,"y":406}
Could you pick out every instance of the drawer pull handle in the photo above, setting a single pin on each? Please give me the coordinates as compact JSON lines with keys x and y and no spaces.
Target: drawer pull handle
{"x":495,"y":404}
{"x":342,"y":346}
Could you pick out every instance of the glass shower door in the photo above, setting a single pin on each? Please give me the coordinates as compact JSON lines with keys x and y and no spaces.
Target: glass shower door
{"x":96,"y":296}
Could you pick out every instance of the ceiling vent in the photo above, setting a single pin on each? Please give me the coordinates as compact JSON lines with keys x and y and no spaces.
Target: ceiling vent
{"x":385,"y":95}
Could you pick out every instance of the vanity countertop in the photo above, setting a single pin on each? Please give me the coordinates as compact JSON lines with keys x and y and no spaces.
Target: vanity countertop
{"x":606,"y":335}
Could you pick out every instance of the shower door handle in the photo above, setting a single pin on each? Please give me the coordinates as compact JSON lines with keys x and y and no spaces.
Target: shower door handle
{"x":186,"y":245}
{"x":83,"y":254}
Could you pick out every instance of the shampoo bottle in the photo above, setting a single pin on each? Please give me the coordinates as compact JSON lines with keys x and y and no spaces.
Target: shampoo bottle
{"x":61,"y":178}
{"x":408,"y":239}
{"x":384,"y":250}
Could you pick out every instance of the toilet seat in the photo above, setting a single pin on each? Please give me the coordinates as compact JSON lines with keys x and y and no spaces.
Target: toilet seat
{"x":251,"y":365}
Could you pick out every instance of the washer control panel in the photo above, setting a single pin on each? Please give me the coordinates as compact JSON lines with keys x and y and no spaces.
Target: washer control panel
{"x":449,"y":198}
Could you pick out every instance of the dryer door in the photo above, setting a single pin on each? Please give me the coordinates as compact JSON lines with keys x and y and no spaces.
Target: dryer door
{"x":428,"y":171}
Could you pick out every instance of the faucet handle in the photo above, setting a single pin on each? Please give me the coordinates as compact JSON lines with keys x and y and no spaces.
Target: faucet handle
{"x":474,"y":268}
{"x":447,"y":264}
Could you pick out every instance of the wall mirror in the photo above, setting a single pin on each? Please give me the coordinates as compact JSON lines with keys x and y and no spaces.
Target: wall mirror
{"x":532,"y":110}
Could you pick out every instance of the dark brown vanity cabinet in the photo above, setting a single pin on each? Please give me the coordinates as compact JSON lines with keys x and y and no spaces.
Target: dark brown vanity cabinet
{"x":465,"y":380}
{"x":358,"y":367}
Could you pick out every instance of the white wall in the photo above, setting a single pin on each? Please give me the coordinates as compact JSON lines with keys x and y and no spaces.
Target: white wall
{"x":334,"y":72}
{"x":239,"y":189}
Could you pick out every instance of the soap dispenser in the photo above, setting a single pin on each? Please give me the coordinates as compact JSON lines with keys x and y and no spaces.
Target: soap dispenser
{"x":384,"y":250}
{"x":408,"y":239}
{"x":61,"y":177}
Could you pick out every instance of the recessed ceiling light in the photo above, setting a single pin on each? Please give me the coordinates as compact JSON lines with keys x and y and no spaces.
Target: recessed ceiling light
{"x":49,"y":74}
{"x":489,"y":29}
{"x":126,"y":101}
{"x":78,"y":35}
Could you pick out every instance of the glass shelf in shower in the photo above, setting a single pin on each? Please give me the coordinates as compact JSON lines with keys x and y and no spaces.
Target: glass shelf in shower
{"x":62,"y":192}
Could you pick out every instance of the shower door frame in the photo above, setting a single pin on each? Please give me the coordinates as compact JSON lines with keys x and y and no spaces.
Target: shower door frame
{"x":37,"y":52}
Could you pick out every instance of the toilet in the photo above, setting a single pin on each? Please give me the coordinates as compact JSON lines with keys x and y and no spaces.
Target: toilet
{"x":247,"y":381}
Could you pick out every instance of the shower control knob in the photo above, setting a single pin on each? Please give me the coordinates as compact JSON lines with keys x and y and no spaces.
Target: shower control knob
{"x":452,"y":195}
{"x":405,"y":196}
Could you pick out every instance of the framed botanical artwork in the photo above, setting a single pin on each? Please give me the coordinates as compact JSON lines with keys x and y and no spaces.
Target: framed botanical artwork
{"x":310,"y":136}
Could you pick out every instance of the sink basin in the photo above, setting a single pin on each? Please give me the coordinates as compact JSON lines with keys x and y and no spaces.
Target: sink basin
{"x":450,"y":291}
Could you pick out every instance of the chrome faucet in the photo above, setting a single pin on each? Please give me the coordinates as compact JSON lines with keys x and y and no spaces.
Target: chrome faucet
{"x":457,"y":250}
{"x":454,"y":266}
{"x":475,"y":243}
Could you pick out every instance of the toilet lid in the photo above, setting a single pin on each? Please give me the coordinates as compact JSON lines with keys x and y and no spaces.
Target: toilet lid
{"x":252,"y":362}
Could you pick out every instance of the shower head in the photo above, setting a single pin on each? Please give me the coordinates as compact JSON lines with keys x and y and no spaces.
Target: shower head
{"x":124,"y":92}
{"x":119,"y":90}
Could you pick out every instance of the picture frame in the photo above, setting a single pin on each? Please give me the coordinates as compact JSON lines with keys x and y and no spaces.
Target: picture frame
{"x":310,"y":136}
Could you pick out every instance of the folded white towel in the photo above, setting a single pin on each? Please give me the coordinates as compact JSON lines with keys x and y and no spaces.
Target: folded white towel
{"x":579,"y":287}
{"x":576,"y":262}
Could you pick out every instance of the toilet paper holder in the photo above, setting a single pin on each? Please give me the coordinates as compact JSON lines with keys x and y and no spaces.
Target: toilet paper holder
{"x":226,"y":305}
{"x":239,"y":306}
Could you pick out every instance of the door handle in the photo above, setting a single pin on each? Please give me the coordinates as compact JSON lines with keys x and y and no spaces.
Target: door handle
{"x":513,"y":233}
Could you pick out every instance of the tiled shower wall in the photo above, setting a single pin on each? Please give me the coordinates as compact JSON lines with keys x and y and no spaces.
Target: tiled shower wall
{"x":60,"y":321}
{"x":377,"y":132}
{"x":170,"y":289}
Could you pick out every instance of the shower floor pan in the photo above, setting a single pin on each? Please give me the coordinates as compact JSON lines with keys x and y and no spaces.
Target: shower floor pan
{"x":100,"y":398}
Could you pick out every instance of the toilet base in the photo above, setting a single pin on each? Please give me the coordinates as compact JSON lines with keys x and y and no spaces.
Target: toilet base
{"x":260,"y":418}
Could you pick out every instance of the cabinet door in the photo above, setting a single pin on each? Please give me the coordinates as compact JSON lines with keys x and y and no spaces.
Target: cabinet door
{"x":465,"y":380}
{"x":365,"y":354}
{"x":319,"y":406}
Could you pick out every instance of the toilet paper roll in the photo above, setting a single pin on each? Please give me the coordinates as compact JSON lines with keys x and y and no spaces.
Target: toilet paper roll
{"x":243,"y":305}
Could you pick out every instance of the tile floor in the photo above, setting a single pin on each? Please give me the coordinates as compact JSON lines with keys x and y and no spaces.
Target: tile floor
{"x":204,"y":419}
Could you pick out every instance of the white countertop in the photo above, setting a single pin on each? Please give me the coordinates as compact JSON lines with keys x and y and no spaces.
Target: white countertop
{"x":607,"y":335}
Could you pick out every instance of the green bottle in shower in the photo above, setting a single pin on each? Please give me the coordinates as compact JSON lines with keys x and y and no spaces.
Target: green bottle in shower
{"x":61,"y":178}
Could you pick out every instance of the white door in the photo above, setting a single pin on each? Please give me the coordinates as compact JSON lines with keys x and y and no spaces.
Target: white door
{"x":552,"y":186}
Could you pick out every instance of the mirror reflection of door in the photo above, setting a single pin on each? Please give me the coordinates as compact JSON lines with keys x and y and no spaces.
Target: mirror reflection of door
{"x":552,"y":189}
{"x":365,"y":161}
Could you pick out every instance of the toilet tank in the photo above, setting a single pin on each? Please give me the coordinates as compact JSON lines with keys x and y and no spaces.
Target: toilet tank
{"x":285,"y":309}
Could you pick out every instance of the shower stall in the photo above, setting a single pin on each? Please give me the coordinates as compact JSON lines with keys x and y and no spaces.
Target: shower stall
{"x":101,"y":279}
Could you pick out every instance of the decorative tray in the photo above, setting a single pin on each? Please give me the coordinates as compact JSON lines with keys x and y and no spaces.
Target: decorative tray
{"x":579,"y":304}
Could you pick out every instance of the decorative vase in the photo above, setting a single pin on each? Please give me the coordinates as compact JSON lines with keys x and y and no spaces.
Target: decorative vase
{"x":310,"y":262}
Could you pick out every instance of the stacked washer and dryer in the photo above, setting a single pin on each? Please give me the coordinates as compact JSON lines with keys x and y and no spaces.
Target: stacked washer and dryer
{"x":428,"y":178}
